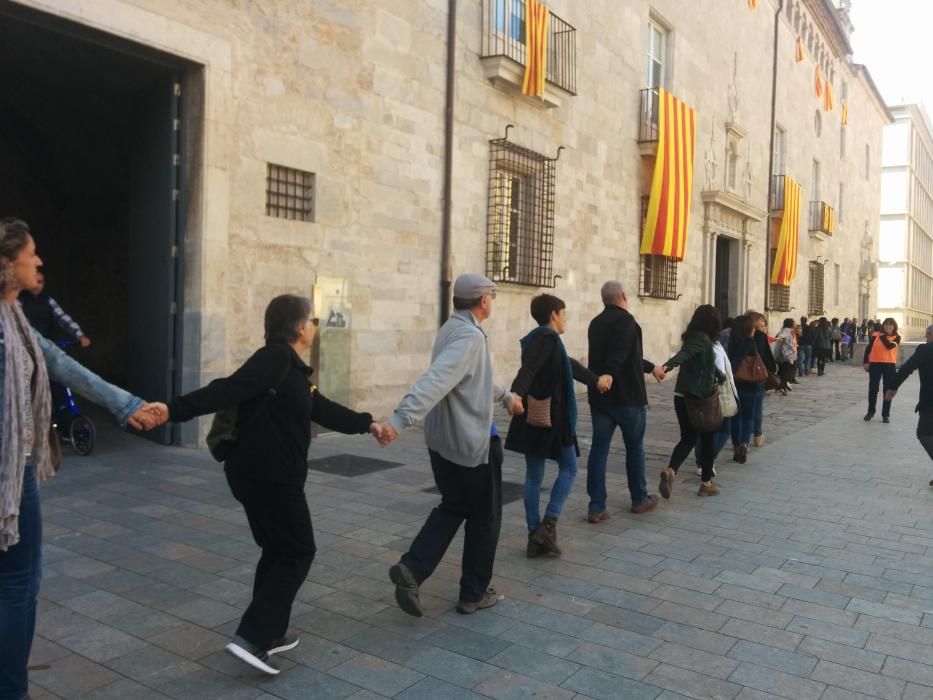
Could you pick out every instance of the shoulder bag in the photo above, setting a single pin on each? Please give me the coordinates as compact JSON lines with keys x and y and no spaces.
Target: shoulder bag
{"x":538,"y":412}
{"x":751,"y":370}
{"x":705,"y":415}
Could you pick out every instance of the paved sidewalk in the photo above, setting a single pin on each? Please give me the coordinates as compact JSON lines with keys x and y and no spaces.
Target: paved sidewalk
{"x":809,"y":578}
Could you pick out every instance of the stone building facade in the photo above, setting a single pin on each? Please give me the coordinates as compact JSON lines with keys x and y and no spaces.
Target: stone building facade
{"x":353,"y":95}
{"x":905,"y":274}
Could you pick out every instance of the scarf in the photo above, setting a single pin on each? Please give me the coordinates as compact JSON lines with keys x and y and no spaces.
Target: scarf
{"x":568,"y":374}
{"x":14,"y":392}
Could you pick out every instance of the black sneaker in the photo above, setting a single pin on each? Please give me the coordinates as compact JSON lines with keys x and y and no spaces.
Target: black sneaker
{"x":885,"y":419}
{"x":406,"y":590}
{"x":868,"y":416}
{"x":468,"y":608}
{"x":286,"y":643}
{"x":253,"y":655}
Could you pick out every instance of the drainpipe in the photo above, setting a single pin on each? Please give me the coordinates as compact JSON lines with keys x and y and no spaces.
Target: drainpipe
{"x":774,"y":68}
{"x":448,"y":159}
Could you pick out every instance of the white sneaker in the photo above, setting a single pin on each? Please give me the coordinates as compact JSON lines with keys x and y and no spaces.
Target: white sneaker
{"x":286,"y":643}
{"x":700,"y":472}
{"x":249,"y":653}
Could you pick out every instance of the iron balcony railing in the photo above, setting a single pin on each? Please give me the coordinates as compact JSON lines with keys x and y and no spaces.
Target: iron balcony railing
{"x":822,"y":218}
{"x":777,"y":193}
{"x":504,"y":35}
{"x":648,"y":107}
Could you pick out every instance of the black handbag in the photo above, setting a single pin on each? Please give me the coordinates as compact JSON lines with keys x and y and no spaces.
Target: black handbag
{"x":705,"y":415}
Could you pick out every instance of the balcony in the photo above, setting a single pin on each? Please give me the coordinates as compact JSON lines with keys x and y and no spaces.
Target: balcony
{"x":649,"y":106}
{"x":777,"y":193}
{"x":822,"y":220}
{"x":504,"y":53}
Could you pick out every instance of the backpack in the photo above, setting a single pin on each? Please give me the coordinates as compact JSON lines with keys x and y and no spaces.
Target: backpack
{"x":222,"y":436}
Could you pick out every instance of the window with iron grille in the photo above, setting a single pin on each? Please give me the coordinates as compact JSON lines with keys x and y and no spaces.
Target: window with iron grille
{"x":778,"y":294}
{"x":815,"y":305}
{"x":657,"y":275}
{"x":520,"y":226}
{"x":289,"y":193}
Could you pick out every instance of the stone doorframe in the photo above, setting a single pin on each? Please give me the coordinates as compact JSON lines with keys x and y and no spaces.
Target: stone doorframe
{"x":208,"y":119}
{"x":726,"y":214}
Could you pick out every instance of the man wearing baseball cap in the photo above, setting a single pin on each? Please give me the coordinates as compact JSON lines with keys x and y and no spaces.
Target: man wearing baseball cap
{"x":455,"y":399}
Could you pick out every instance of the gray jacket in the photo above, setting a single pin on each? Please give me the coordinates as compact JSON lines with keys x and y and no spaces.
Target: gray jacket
{"x":455,"y":396}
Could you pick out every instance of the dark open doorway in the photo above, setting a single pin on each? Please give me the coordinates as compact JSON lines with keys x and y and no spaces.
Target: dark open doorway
{"x":725,"y":289}
{"x":91,"y":153}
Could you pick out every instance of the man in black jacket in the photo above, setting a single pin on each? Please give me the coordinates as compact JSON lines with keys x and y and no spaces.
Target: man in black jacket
{"x":615,"y":349}
{"x":922,"y":360}
{"x":804,"y":348}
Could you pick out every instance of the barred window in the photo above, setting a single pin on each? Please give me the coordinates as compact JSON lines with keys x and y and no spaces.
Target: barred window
{"x":520,"y":226}
{"x":657,"y":274}
{"x":289,"y":193}
{"x":815,"y":305}
{"x":778,"y":294}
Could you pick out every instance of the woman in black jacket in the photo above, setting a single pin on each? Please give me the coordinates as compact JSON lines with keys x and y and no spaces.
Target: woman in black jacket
{"x":741,"y":345}
{"x":822,"y":345}
{"x":267,"y":466}
{"x":548,"y":431}
{"x":764,"y":350}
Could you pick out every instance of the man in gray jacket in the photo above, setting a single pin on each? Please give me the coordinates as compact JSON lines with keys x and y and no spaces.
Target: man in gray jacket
{"x":455,"y":398}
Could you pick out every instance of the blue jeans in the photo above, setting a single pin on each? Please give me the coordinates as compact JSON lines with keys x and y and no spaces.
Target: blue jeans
{"x":760,"y":409}
{"x":534,"y":475}
{"x":20,"y":574}
{"x":744,"y":422}
{"x":632,"y":420}
{"x":804,"y":359}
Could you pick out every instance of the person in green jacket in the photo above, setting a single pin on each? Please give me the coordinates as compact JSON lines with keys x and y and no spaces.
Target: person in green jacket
{"x":698,"y":378}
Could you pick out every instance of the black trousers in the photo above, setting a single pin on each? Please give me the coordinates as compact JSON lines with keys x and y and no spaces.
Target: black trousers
{"x":925,"y":431}
{"x":836,"y":350}
{"x":878,"y":371}
{"x":689,"y":437}
{"x":471,"y":495}
{"x":280,"y":521}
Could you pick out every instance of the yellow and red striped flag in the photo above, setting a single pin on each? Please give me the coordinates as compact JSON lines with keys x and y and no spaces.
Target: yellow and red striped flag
{"x":819,"y":81}
{"x":536,"y":48}
{"x":829,"y":219}
{"x":845,"y":113}
{"x":785,"y":258}
{"x":828,"y":103}
{"x":800,"y":53}
{"x":752,"y":4}
{"x":669,"y":203}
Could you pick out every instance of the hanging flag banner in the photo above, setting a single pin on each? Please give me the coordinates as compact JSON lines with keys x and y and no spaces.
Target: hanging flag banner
{"x":669,"y":203}
{"x":829,"y":219}
{"x":536,"y":48}
{"x":819,"y":81}
{"x":785,"y":258}
{"x":845,"y":113}
{"x":828,"y":103}
{"x":800,"y":53}
{"x":752,"y":4}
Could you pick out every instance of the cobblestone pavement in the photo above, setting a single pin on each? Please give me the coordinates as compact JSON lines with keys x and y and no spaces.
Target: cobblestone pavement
{"x":809,"y":578}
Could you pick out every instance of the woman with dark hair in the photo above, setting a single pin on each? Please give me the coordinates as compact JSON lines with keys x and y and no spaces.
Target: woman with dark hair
{"x":822,"y":345}
{"x":767,"y":357}
{"x":741,"y":345}
{"x":27,"y":362}
{"x":785,"y":354}
{"x":698,"y":378}
{"x":267,"y":465}
{"x":880,"y":362}
{"x":547,"y":428}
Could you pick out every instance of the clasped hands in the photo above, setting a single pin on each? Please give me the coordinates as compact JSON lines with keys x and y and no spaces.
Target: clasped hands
{"x":149,"y":416}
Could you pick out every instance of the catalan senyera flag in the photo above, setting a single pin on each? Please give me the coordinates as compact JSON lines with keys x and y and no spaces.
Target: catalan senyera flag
{"x":785,"y":258}
{"x":819,"y":81}
{"x":536,"y":22}
{"x":800,"y":53}
{"x":845,"y":113}
{"x":669,"y":203}
{"x":828,"y":103}
{"x":752,"y":4}
{"x":829,"y":219}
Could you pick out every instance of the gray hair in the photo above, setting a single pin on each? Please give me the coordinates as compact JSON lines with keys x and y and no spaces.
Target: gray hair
{"x":612,"y":292}
{"x":930,"y":328}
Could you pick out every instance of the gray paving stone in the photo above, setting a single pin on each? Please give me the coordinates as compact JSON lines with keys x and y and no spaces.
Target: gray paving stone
{"x":543,"y":640}
{"x":73,"y":676}
{"x":613,"y":661}
{"x":152,"y":666}
{"x":620,"y":639}
{"x":814,"y":595}
{"x":468,"y":643}
{"x":208,"y":684}
{"x":376,"y":674}
{"x":534,"y":664}
{"x":625,"y":619}
{"x":770,"y":636}
{"x":300,"y":683}
{"x":842,"y":654}
{"x":860,"y":681}
{"x":772,"y":657}
{"x":748,"y":596}
{"x":692,"y":684}
{"x":885,"y":612}
{"x":919,"y":673}
{"x":102,"y":643}
{"x":600,"y":685}
{"x":752,"y":613}
{"x":435,"y":689}
{"x":189,"y":641}
{"x":506,"y":685}
{"x":783,"y":684}
{"x":820,"y":612}
{"x":695,"y":660}
{"x":828,"y":631}
{"x":695,"y":638}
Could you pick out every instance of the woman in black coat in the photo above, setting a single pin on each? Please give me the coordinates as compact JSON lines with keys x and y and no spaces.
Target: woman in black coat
{"x":767,"y":357}
{"x":547,"y":429}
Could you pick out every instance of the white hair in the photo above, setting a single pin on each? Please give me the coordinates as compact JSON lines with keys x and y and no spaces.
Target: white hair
{"x":612,"y":292}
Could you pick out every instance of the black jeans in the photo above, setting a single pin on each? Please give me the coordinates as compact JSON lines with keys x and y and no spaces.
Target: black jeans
{"x":470,"y":494}
{"x":878,"y":371}
{"x":925,"y":431}
{"x":688,"y":439}
{"x":279,"y":518}
{"x":835,"y":351}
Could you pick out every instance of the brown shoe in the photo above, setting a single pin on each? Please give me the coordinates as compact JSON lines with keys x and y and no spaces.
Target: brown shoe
{"x":534,"y":549}
{"x":740,"y":453}
{"x":546,"y":535}
{"x":406,"y":589}
{"x":666,"y":483}
{"x":708,"y":489}
{"x":598,"y":517}
{"x":468,"y":608}
{"x":646,"y":506}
